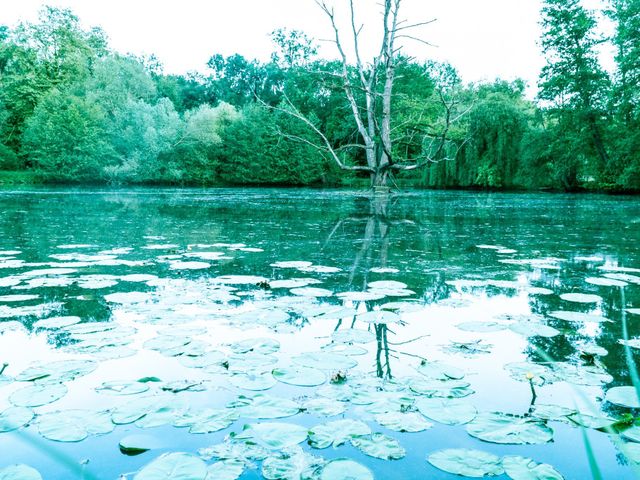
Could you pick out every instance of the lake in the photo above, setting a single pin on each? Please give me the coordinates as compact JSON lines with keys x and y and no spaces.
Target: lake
{"x":311,"y":334}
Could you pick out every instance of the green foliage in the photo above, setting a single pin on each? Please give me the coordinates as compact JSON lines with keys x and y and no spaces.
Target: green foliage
{"x":73,"y":111}
{"x":259,"y":149}
{"x":65,"y":139}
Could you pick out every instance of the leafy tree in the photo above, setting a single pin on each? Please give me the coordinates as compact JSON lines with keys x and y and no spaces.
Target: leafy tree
{"x":573,"y":82}
{"x":65,"y":139}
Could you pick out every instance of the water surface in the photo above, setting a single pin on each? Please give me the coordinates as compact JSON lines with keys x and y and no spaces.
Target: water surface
{"x":229,"y":300}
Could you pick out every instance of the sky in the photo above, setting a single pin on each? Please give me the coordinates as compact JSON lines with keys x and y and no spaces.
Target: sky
{"x":483,"y":39}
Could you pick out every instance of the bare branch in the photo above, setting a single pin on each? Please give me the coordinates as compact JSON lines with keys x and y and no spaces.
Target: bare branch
{"x":326,"y":144}
{"x":414,"y":25}
{"x":416,"y":39}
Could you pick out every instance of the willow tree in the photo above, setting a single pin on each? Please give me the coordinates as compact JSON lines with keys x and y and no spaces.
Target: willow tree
{"x":368,"y":88}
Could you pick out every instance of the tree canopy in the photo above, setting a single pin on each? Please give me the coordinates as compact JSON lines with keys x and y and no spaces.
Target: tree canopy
{"x":74,"y":110}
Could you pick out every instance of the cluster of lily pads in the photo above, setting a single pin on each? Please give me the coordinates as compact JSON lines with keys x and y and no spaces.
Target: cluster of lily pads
{"x":177,"y":317}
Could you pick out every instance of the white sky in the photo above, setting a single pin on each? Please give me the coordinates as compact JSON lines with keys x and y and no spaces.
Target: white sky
{"x":483,"y":39}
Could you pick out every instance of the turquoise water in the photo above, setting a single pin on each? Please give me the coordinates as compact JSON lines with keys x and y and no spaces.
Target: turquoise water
{"x":231,"y":297}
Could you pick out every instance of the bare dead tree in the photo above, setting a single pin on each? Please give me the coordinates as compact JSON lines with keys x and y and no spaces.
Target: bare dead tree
{"x":369,"y":91}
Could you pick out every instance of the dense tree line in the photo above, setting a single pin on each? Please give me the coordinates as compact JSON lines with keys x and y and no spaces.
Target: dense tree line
{"x":72,"y":110}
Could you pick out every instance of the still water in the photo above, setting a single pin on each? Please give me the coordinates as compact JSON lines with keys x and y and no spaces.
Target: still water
{"x":305,"y":334}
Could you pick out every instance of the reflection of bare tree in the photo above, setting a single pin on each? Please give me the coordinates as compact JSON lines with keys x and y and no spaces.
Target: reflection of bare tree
{"x":382,"y":347}
{"x":375,"y":214}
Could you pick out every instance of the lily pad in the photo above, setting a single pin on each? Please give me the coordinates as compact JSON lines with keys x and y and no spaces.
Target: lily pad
{"x":273,"y":436}
{"x":300,"y":376}
{"x":38,"y":394}
{"x":581,"y":297}
{"x":379,"y":317}
{"x":521,"y":468}
{"x":174,"y":466}
{"x":325,"y":361}
{"x":253,"y":381}
{"x":265,"y":406}
{"x":447,"y":411}
{"x":74,"y":425}
{"x":496,"y":427}
{"x":403,"y":421}
{"x":19,"y":472}
{"x":605,"y":282}
{"x":206,"y":421}
{"x":466,"y":462}
{"x":345,"y":469}
{"x":324,"y":407}
{"x":336,"y":433}
{"x":380,"y":446}
{"x":623,"y":396}
{"x":137,"y":444}
{"x":311,"y":292}
{"x":291,"y":464}
{"x":225,"y":470}
{"x":14,"y":417}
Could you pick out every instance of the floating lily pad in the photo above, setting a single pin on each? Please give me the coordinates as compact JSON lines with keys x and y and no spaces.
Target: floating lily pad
{"x":499,"y":427}
{"x":324,"y":361}
{"x":380,"y":446}
{"x":291,"y":464}
{"x":38,"y":394}
{"x":623,"y":396}
{"x":311,"y":292}
{"x":441,"y":388}
{"x":552,"y":412}
{"x":353,"y":335}
{"x":324,"y":407}
{"x":447,"y":411}
{"x":361,"y":296}
{"x":19,"y":472}
{"x":74,"y":425}
{"x":403,"y":421}
{"x":136,"y":444}
{"x":386,"y":284}
{"x":265,"y":406}
{"x":273,"y":436}
{"x":292,"y":264}
{"x":256,"y":345}
{"x":206,"y":421}
{"x":56,"y":322}
{"x":439,"y":371}
{"x":466,"y":462}
{"x":253,"y":381}
{"x":239,"y":450}
{"x":521,"y":468}
{"x":59,"y":371}
{"x":225,"y":470}
{"x":122,"y":388}
{"x":174,"y":466}
{"x":379,"y":317}
{"x":345,"y":469}
{"x":17,"y":298}
{"x":14,"y":417}
{"x":240,"y":279}
{"x":336,"y":433}
{"x":301,"y":376}
{"x":605,"y":282}
{"x":581,"y":297}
